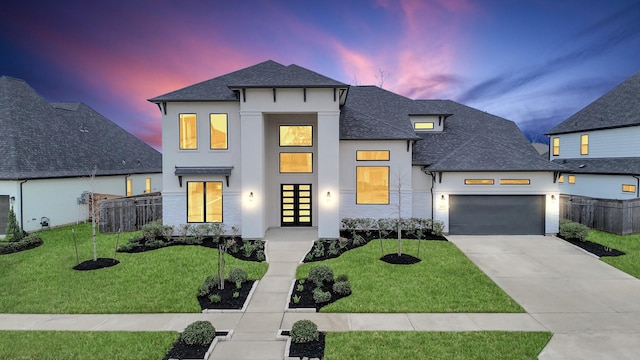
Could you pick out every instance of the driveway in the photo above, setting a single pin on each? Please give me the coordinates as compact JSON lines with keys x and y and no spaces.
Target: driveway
{"x":592,"y":308}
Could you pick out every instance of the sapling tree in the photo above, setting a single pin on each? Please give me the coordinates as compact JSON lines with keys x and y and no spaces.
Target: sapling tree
{"x":95,"y":213}
{"x":14,"y":232}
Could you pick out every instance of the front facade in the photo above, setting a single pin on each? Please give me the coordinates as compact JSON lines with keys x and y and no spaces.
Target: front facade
{"x":277,"y":146}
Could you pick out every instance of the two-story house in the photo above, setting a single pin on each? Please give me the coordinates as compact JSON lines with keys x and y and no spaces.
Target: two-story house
{"x":600,"y":144}
{"x":274,"y":146}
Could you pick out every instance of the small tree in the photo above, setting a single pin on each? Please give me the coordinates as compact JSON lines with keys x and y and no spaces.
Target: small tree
{"x":14,"y":232}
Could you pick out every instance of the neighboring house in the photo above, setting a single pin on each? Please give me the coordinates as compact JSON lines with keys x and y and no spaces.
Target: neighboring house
{"x":49,"y":150}
{"x":600,"y":145}
{"x":273,"y":145}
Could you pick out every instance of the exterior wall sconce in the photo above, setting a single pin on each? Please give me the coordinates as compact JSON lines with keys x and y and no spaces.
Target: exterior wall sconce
{"x":251,"y":196}
{"x":328,"y":195}
{"x":441,"y":197}
{"x":553,"y":198}
{"x":12,"y":199}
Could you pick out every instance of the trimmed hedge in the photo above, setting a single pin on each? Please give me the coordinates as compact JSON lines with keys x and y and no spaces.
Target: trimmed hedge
{"x":199,"y":333}
{"x":28,"y":242}
{"x":573,"y":230}
{"x":304,"y":331}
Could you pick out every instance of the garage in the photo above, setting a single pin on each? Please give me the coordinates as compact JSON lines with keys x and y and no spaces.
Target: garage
{"x":496,"y":214}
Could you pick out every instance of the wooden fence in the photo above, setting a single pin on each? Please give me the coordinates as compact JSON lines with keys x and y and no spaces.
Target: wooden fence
{"x":129,"y":213}
{"x":620,"y":217}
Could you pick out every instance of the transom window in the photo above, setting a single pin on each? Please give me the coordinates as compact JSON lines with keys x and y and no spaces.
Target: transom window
{"x":556,"y":146}
{"x":629,"y":188}
{"x":296,"y":135}
{"x":515,"y":182}
{"x":218,"y":131}
{"x":372,"y":155}
{"x":204,"y":201}
{"x":422,"y":125}
{"x":296,"y":162}
{"x":572,"y":179}
{"x":372,"y":185}
{"x":478,"y":181}
{"x":188,"y":132}
{"x":584,"y":144}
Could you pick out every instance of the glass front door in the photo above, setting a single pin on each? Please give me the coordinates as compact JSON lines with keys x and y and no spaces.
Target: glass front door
{"x":296,"y":204}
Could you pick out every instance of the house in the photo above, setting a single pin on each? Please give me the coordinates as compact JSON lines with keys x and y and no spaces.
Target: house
{"x":600,"y":146}
{"x":49,"y":150}
{"x":274,"y":146}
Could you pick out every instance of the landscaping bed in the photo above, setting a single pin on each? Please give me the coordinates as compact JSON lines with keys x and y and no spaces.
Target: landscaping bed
{"x":308,"y":350}
{"x":594,"y":248}
{"x":27,"y":243}
{"x":305,"y":297}
{"x":229,"y":298}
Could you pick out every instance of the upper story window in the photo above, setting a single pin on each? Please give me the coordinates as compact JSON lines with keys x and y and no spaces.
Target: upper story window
{"x":572,"y":179}
{"x":478,"y":181}
{"x":629,"y":188}
{"x":301,"y":162}
{"x":423,"y":125}
{"x":188,"y":132}
{"x":372,"y":155}
{"x":296,"y":135}
{"x":147,"y":185}
{"x":372,"y":185}
{"x":218,"y":131}
{"x":556,"y":146}
{"x":584,"y":144}
{"x":561,"y":179}
{"x":129,"y":187}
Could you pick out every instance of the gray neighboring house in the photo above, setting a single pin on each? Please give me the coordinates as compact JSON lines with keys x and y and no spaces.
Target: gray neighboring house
{"x":600,"y":145}
{"x":49,"y":150}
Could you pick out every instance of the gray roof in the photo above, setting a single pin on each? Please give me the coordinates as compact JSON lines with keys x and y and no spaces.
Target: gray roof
{"x":474,"y":140}
{"x":69,"y":139}
{"x":609,"y":166}
{"x":268,"y":74}
{"x":619,"y":107}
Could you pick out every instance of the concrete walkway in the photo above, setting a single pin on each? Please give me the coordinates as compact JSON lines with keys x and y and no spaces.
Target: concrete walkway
{"x":592,"y":308}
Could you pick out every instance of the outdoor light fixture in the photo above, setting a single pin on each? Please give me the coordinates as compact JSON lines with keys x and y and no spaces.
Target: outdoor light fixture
{"x":251,"y":196}
{"x":442,"y":197}
{"x":553,"y":197}
{"x":12,"y":199}
{"x":328,"y":195}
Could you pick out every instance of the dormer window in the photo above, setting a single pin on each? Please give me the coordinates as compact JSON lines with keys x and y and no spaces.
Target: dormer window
{"x":423,"y":125}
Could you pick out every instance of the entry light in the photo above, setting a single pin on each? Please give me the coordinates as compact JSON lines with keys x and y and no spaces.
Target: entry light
{"x":251,"y":196}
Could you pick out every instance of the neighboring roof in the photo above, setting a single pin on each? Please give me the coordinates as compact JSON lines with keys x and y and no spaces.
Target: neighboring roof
{"x":474,"y":140}
{"x":268,"y":74}
{"x":542,"y":149}
{"x":69,"y":139}
{"x":617,"y":108}
{"x":608,"y":166}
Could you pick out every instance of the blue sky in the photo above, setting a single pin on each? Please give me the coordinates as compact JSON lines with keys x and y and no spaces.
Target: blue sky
{"x":535,"y":62}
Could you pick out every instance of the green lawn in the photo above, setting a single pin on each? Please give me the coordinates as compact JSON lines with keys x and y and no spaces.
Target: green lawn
{"x":630,"y":244}
{"x":444,"y":281}
{"x":55,"y":345}
{"x":435,"y":345}
{"x":42,"y":280}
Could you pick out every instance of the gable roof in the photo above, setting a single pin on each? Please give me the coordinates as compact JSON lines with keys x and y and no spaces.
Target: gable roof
{"x":268,"y":74}
{"x":617,"y":108}
{"x":474,"y":140}
{"x":609,"y":166}
{"x":68,"y":139}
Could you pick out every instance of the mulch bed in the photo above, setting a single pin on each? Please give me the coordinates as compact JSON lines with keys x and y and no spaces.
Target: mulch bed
{"x":180,"y":350}
{"x":594,"y":248}
{"x":306,"y":295}
{"x":403,"y":259}
{"x":227,"y":301}
{"x":100,"y":263}
{"x":312,"y":350}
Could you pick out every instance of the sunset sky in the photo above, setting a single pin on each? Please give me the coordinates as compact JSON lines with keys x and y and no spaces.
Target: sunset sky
{"x":535,"y":62}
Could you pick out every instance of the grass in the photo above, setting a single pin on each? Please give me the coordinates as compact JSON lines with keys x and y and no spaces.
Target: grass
{"x":42,"y":280}
{"x":630,"y":244}
{"x":444,"y":281}
{"x":54,"y":345}
{"x":435,"y":345}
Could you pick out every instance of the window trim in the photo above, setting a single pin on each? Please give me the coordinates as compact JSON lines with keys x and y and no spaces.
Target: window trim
{"x":294,"y":172}
{"x":226,"y":124}
{"x":479,"y":181}
{"x":584,"y":144}
{"x":294,"y":146}
{"x":204,"y":203}
{"x":429,"y":127}
{"x":180,"y":132}
{"x":508,"y":182}
{"x":388,"y":184}
{"x":555,"y":146}
{"x":631,"y":188}
{"x":388,"y":152}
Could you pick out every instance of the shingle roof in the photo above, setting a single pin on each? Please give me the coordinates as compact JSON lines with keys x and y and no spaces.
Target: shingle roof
{"x":266,"y":74}
{"x":619,"y":107}
{"x":42,"y":140}
{"x":474,"y":140}
{"x":611,"y":166}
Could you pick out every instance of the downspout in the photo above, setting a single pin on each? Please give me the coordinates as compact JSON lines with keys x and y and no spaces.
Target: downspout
{"x":21,"y":207}
{"x":433,"y":181}
{"x":637,"y":186}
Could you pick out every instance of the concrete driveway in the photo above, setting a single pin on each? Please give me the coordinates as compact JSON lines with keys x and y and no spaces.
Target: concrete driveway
{"x":592,"y":308}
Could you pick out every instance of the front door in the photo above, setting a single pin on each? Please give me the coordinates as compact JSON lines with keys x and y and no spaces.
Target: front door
{"x":296,"y":205}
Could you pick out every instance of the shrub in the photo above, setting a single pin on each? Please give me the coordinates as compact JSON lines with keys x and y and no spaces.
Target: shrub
{"x":318,"y":250}
{"x":199,"y":333}
{"x":320,"y":273}
{"x":342,"y":277}
{"x":342,"y":288}
{"x":238,"y":276}
{"x":304,"y":331}
{"x":126,"y":247}
{"x":300,"y":288}
{"x":333,"y":248}
{"x":320,"y":296}
{"x":573,"y":230}
{"x":260,"y":255}
{"x":247,"y":248}
{"x":199,"y":232}
{"x":203,"y":290}
{"x":236,"y":294}
{"x":155,"y":231}
{"x":296,"y":299}
{"x":14,"y":232}
{"x":28,"y":242}
{"x":210,"y":283}
{"x":215,"y":298}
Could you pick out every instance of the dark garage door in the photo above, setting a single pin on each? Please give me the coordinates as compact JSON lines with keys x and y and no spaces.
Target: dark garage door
{"x":496,"y":214}
{"x":4,"y":213}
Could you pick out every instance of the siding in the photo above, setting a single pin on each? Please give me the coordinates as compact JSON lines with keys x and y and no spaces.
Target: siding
{"x":598,"y":186}
{"x":621,"y":142}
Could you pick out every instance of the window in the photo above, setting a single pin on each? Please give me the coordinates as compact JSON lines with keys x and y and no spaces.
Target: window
{"x":372,"y":185}
{"x":129,"y":187}
{"x":296,"y":162}
{"x":556,"y":146}
{"x":188,"y":132}
{"x":572,"y":179}
{"x":561,"y":179}
{"x":515,"y":182}
{"x":584,"y":144}
{"x":147,"y":185}
{"x":423,"y":125}
{"x":218,"y":131}
{"x":204,"y":201}
{"x":628,"y":188}
{"x":478,"y":181}
{"x":296,"y":135}
{"x":372,"y":155}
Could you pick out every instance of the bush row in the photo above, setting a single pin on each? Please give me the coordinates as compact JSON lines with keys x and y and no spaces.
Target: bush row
{"x":419,"y":227}
{"x":28,"y":242}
